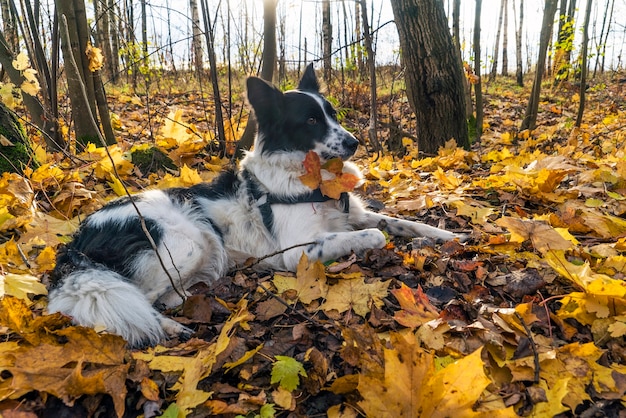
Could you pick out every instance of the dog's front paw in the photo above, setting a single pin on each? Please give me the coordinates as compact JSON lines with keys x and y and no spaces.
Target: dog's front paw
{"x":370,"y":238}
{"x":174,"y":329}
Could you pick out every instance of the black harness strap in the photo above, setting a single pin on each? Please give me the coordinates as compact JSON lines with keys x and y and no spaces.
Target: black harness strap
{"x":265,"y":200}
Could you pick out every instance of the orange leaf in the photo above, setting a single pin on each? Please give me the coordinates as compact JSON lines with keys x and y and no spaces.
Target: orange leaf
{"x":416,"y":308}
{"x":313,"y":176}
{"x":343,"y":182}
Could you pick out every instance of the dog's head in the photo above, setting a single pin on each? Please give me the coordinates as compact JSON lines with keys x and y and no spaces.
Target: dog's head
{"x":298,"y":120}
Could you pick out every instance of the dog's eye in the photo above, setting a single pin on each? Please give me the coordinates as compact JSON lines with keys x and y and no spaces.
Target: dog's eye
{"x":311,"y":121}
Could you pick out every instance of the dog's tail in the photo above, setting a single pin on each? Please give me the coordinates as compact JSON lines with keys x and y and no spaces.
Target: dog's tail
{"x":95,"y":296}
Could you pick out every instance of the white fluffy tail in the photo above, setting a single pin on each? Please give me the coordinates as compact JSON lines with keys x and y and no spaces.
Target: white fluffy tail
{"x":98,"y":297}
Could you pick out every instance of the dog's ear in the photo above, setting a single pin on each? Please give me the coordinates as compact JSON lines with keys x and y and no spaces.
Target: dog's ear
{"x":309,"y":80}
{"x":265,"y":99}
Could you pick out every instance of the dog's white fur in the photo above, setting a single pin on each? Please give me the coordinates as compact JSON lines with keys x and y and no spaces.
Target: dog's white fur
{"x":201,"y":242}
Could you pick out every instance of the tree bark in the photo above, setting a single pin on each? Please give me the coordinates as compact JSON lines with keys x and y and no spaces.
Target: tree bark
{"x":505,"y":40}
{"x":530,"y":117}
{"x":196,"y":40}
{"x":144,"y":40}
{"x":114,"y":66}
{"x":371,"y":65}
{"x":327,"y":39}
{"x":434,"y":74}
{"x":496,"y":48}
{"x":9,"y":23}
{"x":74,"y":50}
{"x":478,"y":87}
{"x":583,"y":66}
{"x":209,"y":34}
{"x":604,"y":34}
{"x":519,"y":69}
{"x":267,"y":69}
{"x":16,"y":151}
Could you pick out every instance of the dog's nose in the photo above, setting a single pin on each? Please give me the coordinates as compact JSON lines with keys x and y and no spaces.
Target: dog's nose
{"x":350,"y":143}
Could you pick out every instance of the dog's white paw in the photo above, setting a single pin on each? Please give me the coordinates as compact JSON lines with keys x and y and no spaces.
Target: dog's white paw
{"x":370,"y":238}
{"x":174,"y":329}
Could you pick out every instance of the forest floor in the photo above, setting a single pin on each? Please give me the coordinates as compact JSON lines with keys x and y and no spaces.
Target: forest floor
{"x":528,"y":318}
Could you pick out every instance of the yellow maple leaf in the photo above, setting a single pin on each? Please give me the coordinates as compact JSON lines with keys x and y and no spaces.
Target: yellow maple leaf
{"x":116,"y":185}
{"x":355,"y":294}
{"x":21,"y":285}
{"x":309,"y":283}
{"x":411,"y":386}
{"x":30,"y":85}
{"x":21,"y":62}
{"x":543,"y":237}
{"x":447,"y":181}
{"x":196,"y":368}
{"x":94,"y":57}
{"x":477,"y":214}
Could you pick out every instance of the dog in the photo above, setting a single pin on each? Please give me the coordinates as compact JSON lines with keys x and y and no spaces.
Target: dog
{"x":110,"y":276}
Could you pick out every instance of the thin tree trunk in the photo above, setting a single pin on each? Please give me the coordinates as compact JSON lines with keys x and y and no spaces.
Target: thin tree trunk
{"x":583,"y":65}
{"x":604,"y":34}
{"x":144,"y":41}
{"x":519,"y":68}
{"x":327,"y":39}
{"x":358,"y":34}
{"x":371,"y":65}
{"x":209,"y":33}
{"x":106,"y":43}
{"x":505,"y":40}
{"x":267,"y":69}
{"x":478,"y":85}
{"x":530,"y":117}
{"x":37,"y":112}
{"x":456,"y":38}
{"x":196,"y":39}
{"x":114,"y":66}
{"x":496,"y":49}
{"x":86,"y":129}
{"x":9,"y":22}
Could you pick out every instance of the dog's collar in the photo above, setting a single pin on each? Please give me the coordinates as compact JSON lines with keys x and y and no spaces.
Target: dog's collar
{"x":264,"y":200}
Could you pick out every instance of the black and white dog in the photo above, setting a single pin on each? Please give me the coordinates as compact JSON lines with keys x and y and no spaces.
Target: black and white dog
{"x":110,"y":275}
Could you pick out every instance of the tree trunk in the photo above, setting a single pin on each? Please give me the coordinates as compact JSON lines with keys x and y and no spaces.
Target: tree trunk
{"x":209,"y":33}
{"x":74,"y":50}
{"x":267,"y":69}
{"x":86,"y":130}
{"x":434,"y":74}
{"x":583,"y":65}
{"x":359,"y":35}
{"x":530,"y":117}
{"x":505,"y":40}
{"x":144,"y":40}
{"x":9,"y":22}
{"x":456,"y":37}
{"x":371,"y":65}
{"x":114,"y":66}
{"x":604,"y":34}
{"x":478,"y":86}
{"x":327,"y":39}
{"x":16,"y":151}
{"x":196,"y":40}
{"x":496,"y":48}
{"x":519,"y":69}
{"x":105,"y":43}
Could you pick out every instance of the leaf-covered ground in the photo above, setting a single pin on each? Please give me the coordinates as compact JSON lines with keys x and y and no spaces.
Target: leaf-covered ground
{"x":528,"y":318}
